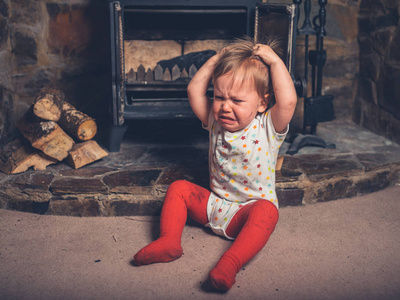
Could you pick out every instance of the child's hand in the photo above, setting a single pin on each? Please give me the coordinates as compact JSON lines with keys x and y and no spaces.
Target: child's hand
{"x":224,"y":50}
{"x":282,"y":83}
{"x":266,"y":54}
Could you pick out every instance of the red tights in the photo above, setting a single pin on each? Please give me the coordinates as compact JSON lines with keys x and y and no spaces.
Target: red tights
{"x":252,"y":226}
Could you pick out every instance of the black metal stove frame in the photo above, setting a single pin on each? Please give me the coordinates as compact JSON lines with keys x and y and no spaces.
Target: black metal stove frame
{"x":132,"y":100}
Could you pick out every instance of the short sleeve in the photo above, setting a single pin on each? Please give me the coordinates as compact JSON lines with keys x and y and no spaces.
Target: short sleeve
{"x":274,"y":137}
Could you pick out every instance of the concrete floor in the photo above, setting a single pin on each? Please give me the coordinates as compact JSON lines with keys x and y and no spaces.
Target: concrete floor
{"x":343,"y":249}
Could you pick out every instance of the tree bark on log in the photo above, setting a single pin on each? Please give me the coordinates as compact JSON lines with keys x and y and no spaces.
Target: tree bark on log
{"x":18,"y":156}
{"x":48,"y":104}
{"x":85,"y":153}
{"x":76,"y":123}
{"x":46,"y":136}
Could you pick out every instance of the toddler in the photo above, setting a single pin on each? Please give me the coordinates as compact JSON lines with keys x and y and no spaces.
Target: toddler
{"x":244,"y":142}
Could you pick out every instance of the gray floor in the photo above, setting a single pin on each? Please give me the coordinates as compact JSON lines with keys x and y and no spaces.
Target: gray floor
{"x":344,"y":249}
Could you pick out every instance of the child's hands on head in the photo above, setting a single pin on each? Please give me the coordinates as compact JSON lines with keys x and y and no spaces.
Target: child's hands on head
{"x":224,"y":50}
{"x":266,"y":53}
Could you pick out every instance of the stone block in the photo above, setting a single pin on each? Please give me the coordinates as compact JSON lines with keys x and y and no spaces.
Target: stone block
{"x":342,"y":188}
{"x":134,"y":181}
{"x":87,"y":172}
{"x":367,"y":92}
{"x":75,"y":208}
{"x":394,"y":52}
{"x":70,"y":32}
{"x":370,"y":66}
{"x":29,"y":206}
{"x":41,"y":180}
{"x":124,"y":158}
{"x":324,"y":167}
{"x":30,"y":187}
{"x":341,"y":67}
{"x":365,"y":45}
{"x":290,"y":163}
{"x":4,"y":8}
{"x":382,"y":39}
{"x":368,"y":6}
{"x":379,"y":160}
{"x":287,"y":175}
{"x":343,"y":97}
{"x":389,"y":88}
{"x":33,"y":84}
{"x":20,"y":181}
{"x":3,"y":33}
{"x":26,"y":12}
{"x":7,"y":114}
{"x":365,"y":26}
{"x":379,"y":121}
{"x":198,"y":175}
{"x":374,"y":183}
{"x":25,"y":188}
{"x":290,"y":197}
{"x":78,"y":186}
{"x":135,"y":208}
{"x":344,"y":21}
{"x":183,"y":156}
{"x":24,"y":48}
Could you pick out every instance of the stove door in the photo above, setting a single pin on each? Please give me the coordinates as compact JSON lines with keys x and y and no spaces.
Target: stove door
{"x":278,"y":20}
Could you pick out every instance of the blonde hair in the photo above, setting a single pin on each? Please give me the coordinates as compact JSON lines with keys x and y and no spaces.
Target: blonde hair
{"x":240,"y":59}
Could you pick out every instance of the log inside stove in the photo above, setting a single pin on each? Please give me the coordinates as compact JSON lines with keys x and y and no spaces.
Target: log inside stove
{"x":180,"y":69}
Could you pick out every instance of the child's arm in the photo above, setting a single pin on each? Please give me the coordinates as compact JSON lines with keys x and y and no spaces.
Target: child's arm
{"x":282,"y":83}
{"x":197,"y":90}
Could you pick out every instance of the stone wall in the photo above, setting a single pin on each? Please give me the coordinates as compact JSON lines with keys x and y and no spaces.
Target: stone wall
{"x":65,"y":42}
{"x":47,"y":42}
{"x":377,"y":105}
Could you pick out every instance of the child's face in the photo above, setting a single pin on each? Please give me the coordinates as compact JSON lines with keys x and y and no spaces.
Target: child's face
{"x":235,"y":105}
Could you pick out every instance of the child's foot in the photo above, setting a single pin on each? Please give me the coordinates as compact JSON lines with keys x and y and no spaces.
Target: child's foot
{"x":223,"y":275}
{"x":160,"y":250}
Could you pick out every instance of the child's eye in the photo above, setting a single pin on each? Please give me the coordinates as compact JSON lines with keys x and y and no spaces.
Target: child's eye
{"x":237,"y":101}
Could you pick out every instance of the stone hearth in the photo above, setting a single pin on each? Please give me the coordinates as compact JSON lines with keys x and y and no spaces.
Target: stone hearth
{"x":66,"y":42}
{"x":134,"y":181}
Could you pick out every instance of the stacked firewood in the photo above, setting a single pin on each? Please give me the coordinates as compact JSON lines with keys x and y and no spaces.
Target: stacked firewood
{"x":53,"y":131}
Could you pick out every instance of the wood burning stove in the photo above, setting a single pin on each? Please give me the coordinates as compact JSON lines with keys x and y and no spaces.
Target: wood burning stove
{"x":157,"y":46}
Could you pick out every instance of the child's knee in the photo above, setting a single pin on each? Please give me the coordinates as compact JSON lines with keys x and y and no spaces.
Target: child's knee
{"x":179,"y":184}
{"x":265,"y":210}
{"x":179,"y":187}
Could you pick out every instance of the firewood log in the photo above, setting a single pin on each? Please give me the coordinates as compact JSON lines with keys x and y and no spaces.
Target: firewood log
{"x":76,"y":123}
{"x":18,"y":156}
{"x":85,"y":153}
{"x":46,"y":136}
{"x":48,"y":104}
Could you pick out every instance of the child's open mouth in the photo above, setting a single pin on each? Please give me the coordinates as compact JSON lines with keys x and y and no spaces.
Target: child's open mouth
{"x":226,"y":120}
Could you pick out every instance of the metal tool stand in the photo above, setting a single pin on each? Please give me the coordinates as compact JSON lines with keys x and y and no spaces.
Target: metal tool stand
{"x":317,"y":108}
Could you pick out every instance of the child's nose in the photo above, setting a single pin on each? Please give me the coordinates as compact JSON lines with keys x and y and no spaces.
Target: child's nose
{"x":226,"y":106}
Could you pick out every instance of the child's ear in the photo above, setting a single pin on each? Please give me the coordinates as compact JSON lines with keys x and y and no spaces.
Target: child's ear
{"x":264,"y":103}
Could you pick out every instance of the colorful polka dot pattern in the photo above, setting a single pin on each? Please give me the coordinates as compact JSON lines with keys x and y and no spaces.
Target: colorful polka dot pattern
{"x":220,"y":213}
{"x":242,"y":164}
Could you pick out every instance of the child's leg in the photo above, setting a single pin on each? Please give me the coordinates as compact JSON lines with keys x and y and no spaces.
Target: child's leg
{"x":182,"y":198}
{"x":253,"y":225}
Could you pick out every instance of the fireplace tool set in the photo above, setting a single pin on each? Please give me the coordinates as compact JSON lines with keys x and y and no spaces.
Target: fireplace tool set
{"x":318,"y":108}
